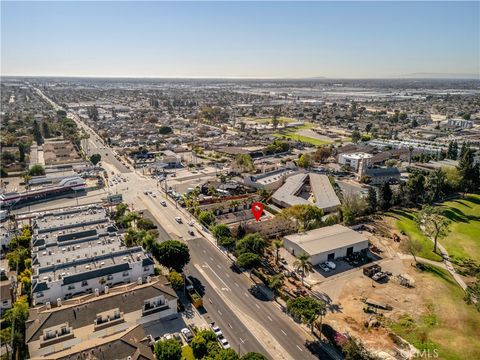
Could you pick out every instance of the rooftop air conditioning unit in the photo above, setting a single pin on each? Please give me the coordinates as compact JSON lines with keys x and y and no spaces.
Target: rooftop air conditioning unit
{"x":59,"y":302}
{"x":47,"y":304}
{"x":139,"y":281}
{"x":97,"y":292}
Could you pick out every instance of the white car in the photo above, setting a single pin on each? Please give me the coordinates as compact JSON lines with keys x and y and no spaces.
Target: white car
{"x":331,"y":264}
{"x":178,"y":219}
{"x":217,"y":331}
{"x":187,"y":334}
{"x":224,"y":343}
{"x":324,"y":267}
{"x":163,"y":203}
{"x":191,"y":223}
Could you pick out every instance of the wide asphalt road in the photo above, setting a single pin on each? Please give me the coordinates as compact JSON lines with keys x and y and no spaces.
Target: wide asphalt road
{"x":273,"y":329}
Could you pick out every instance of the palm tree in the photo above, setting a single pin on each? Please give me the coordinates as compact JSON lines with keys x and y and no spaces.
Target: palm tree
{"x":276,"y":283}
{"x":277,"y":245}
{"x":303,"y":264}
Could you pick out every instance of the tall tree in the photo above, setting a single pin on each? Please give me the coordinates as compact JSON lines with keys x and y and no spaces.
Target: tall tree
{"x":307,"y":309}
{"x":435,"y":185}
{"x":46,"y":130}
{"x":433,"y":224}
{"x":168,"y":350}
{"x":95,"y":159}
{"x":385,"y":196}
{"x":303,"y":265}
{"x":37,"y":135}
{"x":173,"y":254}
{"x":356,"y":136}
{"x":21,"y":152}
{"x":469,"y":171}
{"x":372,"y":200}
{"x":277,"y":245}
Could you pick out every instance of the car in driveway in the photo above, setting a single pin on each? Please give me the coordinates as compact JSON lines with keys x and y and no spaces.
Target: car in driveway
{"x":324,"y":267}
{"x":224,"y":343}
{"x":331,"y":264}
{"x":187,"y":334}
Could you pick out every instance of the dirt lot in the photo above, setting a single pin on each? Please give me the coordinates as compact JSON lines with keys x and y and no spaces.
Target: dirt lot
{"x":432,"y":315}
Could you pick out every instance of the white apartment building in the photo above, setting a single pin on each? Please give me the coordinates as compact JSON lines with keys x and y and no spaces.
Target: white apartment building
{"x":353,"y":160}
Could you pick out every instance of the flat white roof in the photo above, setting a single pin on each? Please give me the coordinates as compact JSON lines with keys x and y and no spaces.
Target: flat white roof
{"x":326,"y":239}
{"x":358,"y":155}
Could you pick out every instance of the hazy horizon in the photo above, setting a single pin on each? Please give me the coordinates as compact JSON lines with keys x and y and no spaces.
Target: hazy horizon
{"x":241,"y":40}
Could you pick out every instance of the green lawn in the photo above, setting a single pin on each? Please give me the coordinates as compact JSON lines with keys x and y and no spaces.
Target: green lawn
{"x":187,"y":353}
{"x":306,"y":139}
{"x":463,"y":240}
{"x":407,"y":224}
{"x":448,"y":325}
{"x":269,"y":120}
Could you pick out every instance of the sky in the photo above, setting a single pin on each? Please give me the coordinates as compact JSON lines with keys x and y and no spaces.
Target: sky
{"x":240,"y":39}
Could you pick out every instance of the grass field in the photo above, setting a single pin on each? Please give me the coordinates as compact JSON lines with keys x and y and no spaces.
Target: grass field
{"x":407,"y":224}
{"x":464,"y":238}
{"x":293,"y":136}
{"x":463,"y":241}
{"x":448,"y":325}
{"x":283,"y":119}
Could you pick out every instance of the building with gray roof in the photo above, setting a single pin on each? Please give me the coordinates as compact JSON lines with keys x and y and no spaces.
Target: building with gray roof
{"x":327,"y":243}
{"x":307,"y":189}
{"x":108,"y":326}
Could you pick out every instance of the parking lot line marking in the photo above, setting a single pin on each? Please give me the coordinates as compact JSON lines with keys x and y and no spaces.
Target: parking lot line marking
{"x":258,"y":307}
{"x":219,"y":266}
{"x":299,"y":348}
{"x":269,"y":318}
{"x":245,"y":294}
{"x":211,"y":258}
{"x":219,"y":312}
{"x":236,"y":284}
{"x":231,"y":327}
{"x":284,"y":333}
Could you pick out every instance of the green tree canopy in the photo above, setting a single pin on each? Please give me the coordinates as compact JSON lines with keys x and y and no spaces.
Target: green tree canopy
{"x":36,"y":170}
{"x":176,"y":280}
{"x":165,"y":130}
{"x":173,"y":254}
{"x":253,"y":243}
{"x":207,"y":218}
{"x":248,"y":260}
{"x":306,"y":308}
{"x":168,"y":350}
{"x":253,"y":356}
{"x":95,"y":159}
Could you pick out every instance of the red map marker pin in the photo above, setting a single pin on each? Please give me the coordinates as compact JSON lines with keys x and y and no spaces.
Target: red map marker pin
{"x":257,"y":210}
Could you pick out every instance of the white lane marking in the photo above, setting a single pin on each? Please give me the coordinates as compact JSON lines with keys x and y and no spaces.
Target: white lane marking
{"x":258,"y":307}
{"x":228,"y":276}
{"x":299,"y":348}
{"x":219,"y":266}
{"x":211,"y":258}
{"x":219,"y":312}
{"x":245,"y":294}
{"x":236,"y":284}
{"x":284,"y":333}
{"x":219,"y":278}
{"x":269,"y":318}
{"x":231,"y":327}
{"x":204,"y":251}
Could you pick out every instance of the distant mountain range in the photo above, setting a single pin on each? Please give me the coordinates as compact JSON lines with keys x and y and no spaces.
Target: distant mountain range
{"x":440,"y":76}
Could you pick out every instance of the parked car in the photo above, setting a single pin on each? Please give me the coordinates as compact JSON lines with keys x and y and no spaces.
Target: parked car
{"x":187,"y":334}
{"x":191,"y":223}
{"x":224,"y":343}
{"x":178,"y":219}
{"x":324,"y":267}
{"x":191,"y":232}
{"x":331,"y":264}
{"x":217,"y":331}
{"x":163,"y":203}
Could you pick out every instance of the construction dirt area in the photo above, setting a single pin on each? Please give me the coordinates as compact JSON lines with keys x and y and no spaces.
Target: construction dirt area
{"x":379,"y":310}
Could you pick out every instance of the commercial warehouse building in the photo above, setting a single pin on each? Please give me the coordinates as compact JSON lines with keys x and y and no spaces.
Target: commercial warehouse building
{"x":327,"y":243}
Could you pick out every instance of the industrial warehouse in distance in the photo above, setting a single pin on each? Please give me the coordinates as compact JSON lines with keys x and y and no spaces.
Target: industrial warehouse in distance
{"x":239,"y":189}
